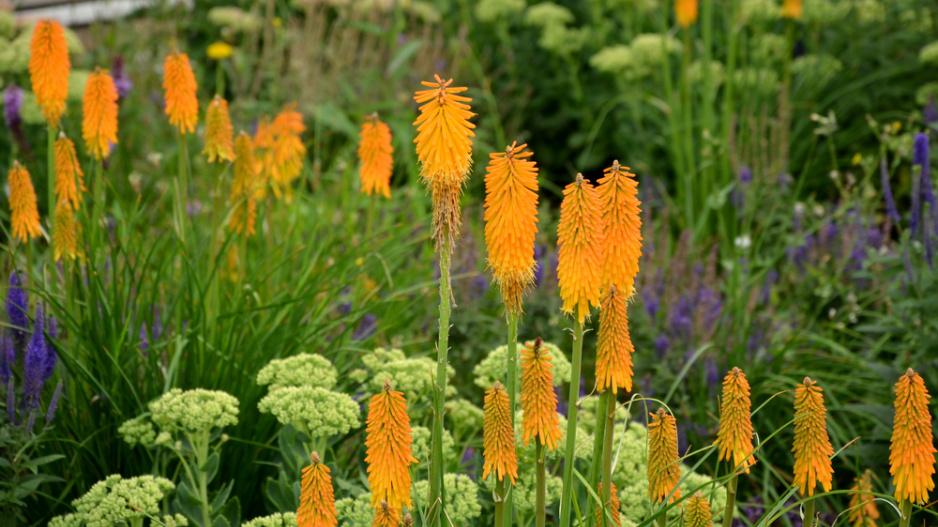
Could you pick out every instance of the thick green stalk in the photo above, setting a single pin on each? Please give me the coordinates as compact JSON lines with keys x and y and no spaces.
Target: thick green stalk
{"x":436,"y":458}
{"x":610,"y":411}
{"x":213,"y":263}
{"x":182,"y":190}
{"x":663,"y":520}
{"x":540,"y":499}
{"x":499,"y":503}
{"x":97,"y":205}
{"x":690,"y":172}
{"x":808,"y":513}
{"x":566,"y":500}
{"x":511,"y":387}
{"x":906,"y":508}
{"x":730,"y":501}
{"x":599,"y":437}
{"x":50,"y":182}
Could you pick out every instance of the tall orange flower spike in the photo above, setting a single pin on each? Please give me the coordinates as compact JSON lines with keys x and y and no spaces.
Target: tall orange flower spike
{"x":244,"y":187}
{"x":812,"y":448}
{"x":863,"y":511}
{"x":287,"y":150}
{"x":24,"y":216}
{"x":621,"y":227}
{"x":792,"y":9}
{"x":614,"y":506}
{"x":912,"y":450}
{"x":511,"y":222}
{"x":735,"y":436}
{"x":317,"y":500}
{"x":614,"y":349}
{"x":49,"y":69}
{"x":387,"y":516}
{"x":99,"y":114}
{"x":179,"y":88}
{"x":686,"y":12}
{"x":375,"y":154}
{"x":697,"y":511}
{"x":388,"y":448}
{"x":664,"y":469}
{"x":498,"y":436}
{"x":219,"y":133}
{"x":64,"y":232}
{"x":69,"y":178}
{"x":538,"y":399}
{"x":579,"y":236}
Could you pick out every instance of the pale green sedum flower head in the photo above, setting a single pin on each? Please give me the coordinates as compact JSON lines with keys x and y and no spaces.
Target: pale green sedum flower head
{"x":462,"y":495}
{"x":929,"y":54}
{"x":316,"y":411}
{"x":413,"y":376}
{"x":116,"y":500}
{"x":138,"y":430}
{"x":422,"y":441}
{"x":355,"y":512}
{"x":494,"y":10}
{"x":286,"y":519}
{"x":194,"y":410}
{"x":464,"y":414}
{"x":547,"y":14}
{"x":305,"y":369}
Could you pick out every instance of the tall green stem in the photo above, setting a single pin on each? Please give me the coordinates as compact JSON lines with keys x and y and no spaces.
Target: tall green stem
{"x":540,"y":499}
{"x":97,"y":205}
{"x":730,"y":501}
{"x":182,"y":189}
{"x":50,"y":182}
{"x":599,"y":437}
{"x":512,"y":388}
{"x":436,"y":460}
{"x":566,"y":500}
{"x":607,"y":456}
{"x":499,"y":503}
{"x":663,"y":519}
{"x":808,"y":513}
{"x":906,"y":508}
{"x":213,"y":263}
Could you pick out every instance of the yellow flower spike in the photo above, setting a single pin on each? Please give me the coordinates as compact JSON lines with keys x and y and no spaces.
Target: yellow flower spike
{"x":317,"y":499}
{"x":812,"y":447}
{"x":664,"y":470}
{"x":538,"y":399}
{"x":697,"y":511}
{"x":498,"y":436}
{"x":218,"y":132}
{"x":24,"y":216}
{"x":614,"y":349}
{"x":244,"y":187}
{"x":49,"y":69}
{"x":180,"y":88}
{"x":99,"y":114}
{"x":287,"y":151}
{"x":792,"y":9}
{"x":580,"y":237}
{"x":375,"y":154}
{"x":388,"y":444}
{"x":511,"y":222}
{"x":735,"y":437}
{"x":387,"y":515}
{"x":863,"y":511}
{"x":912,"y":449}
{"x":69,"y":178}
{"x":686,"y":12}
{"x":613,"y":507}
{"x":621,"y":227}
{"x":64,"y":232}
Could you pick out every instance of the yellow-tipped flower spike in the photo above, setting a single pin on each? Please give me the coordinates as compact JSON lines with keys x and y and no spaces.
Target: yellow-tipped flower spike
{"x":613,"y":507}
{"x":219,"y":133}
{"x":792,"y":9}
{"x":863,"y":511}
{"x":49,"y":69}
{"x":387,"y":516}
{"x":244,"y":187}
{"x":614,"y":349}
{"x":538,"y":399}
{"x":24,"y":216}
{"x":69,"y":178}
{"x":99,"y":114}
{"x":664,"y":469}
{"x":498,"y":436}
{"x":511,"y":222}
{"x":580,"y":237}
{"x":912,"y":450}
{"x":179,"y":88}
{"x":287,"y":151}
{"x":388,"y":444}
{"x":686,"y":12}
{"x":621,"y":227}
{"x":64,"y":232}
{"x":812,"y":448}
{"x":375,"y":154}
{"x":317,"y":499}
{"x":697,"y":511}
{"x":735,"y":436}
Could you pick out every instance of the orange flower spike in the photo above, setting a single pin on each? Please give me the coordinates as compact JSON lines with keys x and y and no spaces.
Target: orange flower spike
{"x":614,"y":349}
{"x":686,"y":12}
{"x":664,"y":470}
{"x":244,"y":187}
{"x":511,"y":222}
{"x":863,"y":511}
{"x":317,"y":499}
{"x":444,"y":144}
{"x":498,"y":436}
{"x":388,"y":444}
{"x":180,"y":87}
{"x":697,"y":511}
{"x":812,"y":448}
{"x":614,"y":506}
{"x":735,"y":436}
{"x":219,"y":133}
{"x":387,"y":516}
{"x":621,"y":227}
{"x":792,"y":9}
{"x":24,"y":216}
{"x":580,"y":236}
{"x":912,"y":449}
{"x":99,"y":114}
{"x":49,"y":69}
{"x":64,"y":232}
{"x":69,"y":178}
{"x":375,"y":154}
{"x":538,"y":399}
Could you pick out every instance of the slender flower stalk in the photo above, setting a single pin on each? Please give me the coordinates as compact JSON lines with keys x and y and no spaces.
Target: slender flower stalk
{"x":612,"y":505}
{"x":24,"y":215}
{"x":812,"y":446}
{"x":69,"y":177}
{"x":376,"y":156}
{"x":317,"y":499}
{"x":912,"y":449}
{"x":49,"y":69}
{"x":697,"y":511}
{"x":686,"y":12}
{"x":735,"y":437}
{"x":388,"y":444}
{"x":863,"y":511}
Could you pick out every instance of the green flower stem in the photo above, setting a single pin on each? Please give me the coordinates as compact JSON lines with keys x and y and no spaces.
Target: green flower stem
{"x":606,"y":496}
{"x":182,"y":189}
{"x":598,"y":440}
{"x":97,"y":205}
{"x":436,"y":458}
{"x":906,"y":508}
{"x":540,"y":500}
{"x":512,"y":388}
{"x":213,"y":263}
{"x":50,"y":175}
{"x":809,"y":513}
{"x":200,"y":449}
{"x":499,"y":503}
{"x":728,"y":89}
{"x":663,"y":519}
{"x":566,"y":500}
{"x":730,"y":501}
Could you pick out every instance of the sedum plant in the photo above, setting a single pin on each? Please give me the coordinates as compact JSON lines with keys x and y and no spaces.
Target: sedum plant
{"x":119,"y":501}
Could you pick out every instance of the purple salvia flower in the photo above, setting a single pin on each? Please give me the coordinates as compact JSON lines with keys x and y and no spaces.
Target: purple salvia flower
{"x":51,"y":357}
{"x":920,"y":157}
{"x":53,"y":404}
{"x":745,"y":178}
{"x":7,"y":357}
{"x":34,"y":364}
{"x":891,"y":210}
{"x":11,"y":403}
{"x":17,"y":309}
{"x":652,"y":304}
{"x":121,"y":81}
{"x":366,"y":328}
{"x":12,"y":103}
{"x":681,"y":319}
{"x":662,"y":344}
{"x":477,"y":287}
{"x":345,"y":308}
{"x":713,"y":376}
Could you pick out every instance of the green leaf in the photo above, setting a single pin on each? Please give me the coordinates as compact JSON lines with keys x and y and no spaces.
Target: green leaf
{"x":187,"y":494}
{"x":220,"y":521}
{"x":231,"y":511}
{"x":404,"y":54}
{"x":222,"y":496}
{"x":210,"y":468}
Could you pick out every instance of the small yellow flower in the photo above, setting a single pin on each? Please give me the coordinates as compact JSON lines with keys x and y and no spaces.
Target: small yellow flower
{"x":278,"y":21}
{"x":857,"y":158}
{"x":219,"y":50}
{"x":359,"y":261}
{"x":897,"y":126}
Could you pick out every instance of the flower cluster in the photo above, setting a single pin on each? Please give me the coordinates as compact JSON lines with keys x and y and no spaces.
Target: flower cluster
{"x":314,"y":410}
{"x":423,"y":441}
{"x":286,"y":519}
{"x":194,"y":410}
{"x":117,"y":500}
{"x":304,"y":369}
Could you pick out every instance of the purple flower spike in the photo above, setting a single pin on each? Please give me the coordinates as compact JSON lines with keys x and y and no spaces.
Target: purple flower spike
{"x":7,"y":357}
{"x":35,"y":362}
{"x":891,"y":210}
{"x":12,"y":102}
{"x":144,"y":340}
{"x":921,"y":157}
{"x":53,"y":405}
{"x":17,"y":309}
{"x":366,"y":328}
{"x":11,"y":403}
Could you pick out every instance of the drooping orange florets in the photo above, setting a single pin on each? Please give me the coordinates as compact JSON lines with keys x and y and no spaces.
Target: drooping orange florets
{"x":49,"y":69}
{"x":218,"y":132}
{"x":697,"y":511}
{"x":24,"y":216}
{"x":375,"y":154}
{"x":912,"y":451}
{"x":613,"y":506}
{"x":317,"y":499}
{"x":614,"y":349}
{"x":179,"y":88}
{"x":621,"y":227}
{"x":64,"y":232}
{"x":686,"y":12}
{"x":580,"y":237}
{"x":812,"y":448}
{"x":69,"y":178}
{"x":538,"y":399}
{"x":287,"y":151}
{"x":863,"y":511}
{"x":511,"y":222}
{"x":388,"y":448}
{"x":735,"y":436}
{"x":387,"y":516}
{"x":498,"y":436}
{"x":99,"y":114}
{"x":244,"y":187}
{"x":792,"y":9}
{"x":664,"y":470}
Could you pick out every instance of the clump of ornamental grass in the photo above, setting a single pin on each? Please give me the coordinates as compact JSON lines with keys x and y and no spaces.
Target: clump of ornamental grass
{"x":912,"y":448}
{"x":24,"y":214}
{"x":376,"y":157}
{"x":863,"y":511}
{"x":49,"y":67}
{"x":812,"y":446}
{"x":493,"y":367}
{"x":116,"y":500}
{"x":303,"y":369}
{"x":388,"y":445}
{"x":317,"y":499}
